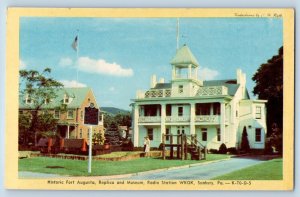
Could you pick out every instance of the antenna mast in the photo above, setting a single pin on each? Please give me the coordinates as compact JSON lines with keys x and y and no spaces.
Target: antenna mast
{"x":177,"y":35}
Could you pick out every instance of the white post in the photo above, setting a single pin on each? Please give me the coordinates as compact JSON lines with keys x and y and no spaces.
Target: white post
{"x":90,"y":149}
{"x":192,"y":119}
{"x":68,"y":132}
{"x":222,"y":124}
{"x":163,"y":118}
{"x":136,"y":126}
{"x":190,"y":71}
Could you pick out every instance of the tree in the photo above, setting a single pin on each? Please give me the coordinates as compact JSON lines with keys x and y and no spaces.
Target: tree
{"x":38,"y":88}
{"x":269,"y":86}
{"x":245,"y":142}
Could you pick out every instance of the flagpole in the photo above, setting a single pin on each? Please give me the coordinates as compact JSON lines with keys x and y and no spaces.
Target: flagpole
{"x":77,"y":52}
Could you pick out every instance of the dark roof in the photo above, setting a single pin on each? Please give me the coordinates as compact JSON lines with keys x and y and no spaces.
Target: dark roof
{"x":231,"y":84}
{"x":162,"y":86}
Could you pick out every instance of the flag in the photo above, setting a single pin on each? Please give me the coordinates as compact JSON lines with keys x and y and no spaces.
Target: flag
{"x":75,"y":43}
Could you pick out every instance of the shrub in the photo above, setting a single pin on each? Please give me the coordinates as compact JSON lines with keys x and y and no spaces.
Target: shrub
{"x":213,"y":151}
{"x":223,"y":149}
{"x":232,"y":150}
{"x":245,"y":142}
{"x":127,"y":145}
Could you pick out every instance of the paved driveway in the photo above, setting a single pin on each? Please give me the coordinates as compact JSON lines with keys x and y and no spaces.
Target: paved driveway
{"x":202,"y":172}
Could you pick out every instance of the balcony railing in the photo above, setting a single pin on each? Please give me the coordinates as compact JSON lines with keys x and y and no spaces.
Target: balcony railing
{"x":207,"y":119}
{"x":212,"y":91}
{"x":177,"y":118}
{"x":149,"y":119}
{"x":158,"y":93}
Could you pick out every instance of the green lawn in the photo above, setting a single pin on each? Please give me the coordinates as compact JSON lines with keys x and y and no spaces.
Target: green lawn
{"x":102,"y":168}
{"x":269,"y":170}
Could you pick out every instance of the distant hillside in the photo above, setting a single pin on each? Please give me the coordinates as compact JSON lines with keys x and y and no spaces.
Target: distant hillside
{"x":113,"y":110}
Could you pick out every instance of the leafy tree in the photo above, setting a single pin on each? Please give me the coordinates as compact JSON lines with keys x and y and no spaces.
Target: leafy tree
{"x":245,"y":142}
{"x":269,"y":86}
{"x":123,"y":119}
{"x":40,"y":89}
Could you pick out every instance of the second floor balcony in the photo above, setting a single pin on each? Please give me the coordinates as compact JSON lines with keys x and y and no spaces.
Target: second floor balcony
{"x":199,"y":119}
{"x":149,"y":119}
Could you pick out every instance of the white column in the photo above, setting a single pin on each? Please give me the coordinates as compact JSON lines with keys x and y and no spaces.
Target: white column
{"x":68,"y":131}
{"x":192,"y":119}
{"x":211,"y":109}
{"x":136,"y":126}
{"x":190,"y":72}
{"x":163,"y":121}
{"x":222,"y":123}
{"x":173,"y":72}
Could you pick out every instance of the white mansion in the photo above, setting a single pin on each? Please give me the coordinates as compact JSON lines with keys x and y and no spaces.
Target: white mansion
{"x":217,"y":110}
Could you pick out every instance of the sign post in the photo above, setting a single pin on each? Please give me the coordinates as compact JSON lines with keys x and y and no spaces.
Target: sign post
{"x":91,"y":117}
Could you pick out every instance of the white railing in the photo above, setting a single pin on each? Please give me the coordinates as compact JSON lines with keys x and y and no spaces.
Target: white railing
{"x":177,"y":118}
{"x":158,"y":93}
{"x":212,"y":91}
{"x":208,"y":118}
{"x":144,"y":119}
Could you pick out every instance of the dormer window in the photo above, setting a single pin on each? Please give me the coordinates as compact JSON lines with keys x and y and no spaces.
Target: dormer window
{"x":47,"y":100}
{"x":28,"y":99}
{"x":66,"y":99}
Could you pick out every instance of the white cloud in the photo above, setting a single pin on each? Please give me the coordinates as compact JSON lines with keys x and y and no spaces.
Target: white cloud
{"x":65,"y":61}
{"x":72,"y":84}
{"x":207,"y":74}
{"x":100,"y":66}
{"x":22,"y":64}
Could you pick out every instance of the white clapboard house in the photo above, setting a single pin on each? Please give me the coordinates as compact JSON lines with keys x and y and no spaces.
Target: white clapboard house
{"x":216,"y":110}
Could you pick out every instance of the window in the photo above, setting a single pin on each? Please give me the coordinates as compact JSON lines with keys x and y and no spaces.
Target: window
{"x":80,"y":134}
{"x":167,"y":133}
{"x":168,"y":110}
{"x":150,"y":133}
{"x":70,"y":114}
{"x":203,"y":109}
{"x":180,"y":89}
{"x":47,"y":100}
{"x":204,"y":134}
{"x":258,"y":112}
{"x":182,"y":130}
{"x":218,"y":134}
{"x":180,"y":111}
{"x":178,"y":130}
{"x":258,"y":134}
{"x":66,"y":99}
{"x":56,"y":114}
{"x":216,"y":108}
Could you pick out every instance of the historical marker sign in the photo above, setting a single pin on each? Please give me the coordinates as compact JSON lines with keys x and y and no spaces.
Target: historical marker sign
{"x":91,"y":115}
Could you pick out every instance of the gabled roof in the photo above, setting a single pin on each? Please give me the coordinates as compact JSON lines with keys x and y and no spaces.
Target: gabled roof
{"x":76,"y":95}
{"x":184,"y":56}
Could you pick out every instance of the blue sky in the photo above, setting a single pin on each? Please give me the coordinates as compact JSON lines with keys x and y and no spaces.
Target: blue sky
{"x":118,"y":56}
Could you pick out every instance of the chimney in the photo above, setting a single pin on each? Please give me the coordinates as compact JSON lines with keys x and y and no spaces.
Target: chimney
{"x":153,"y":81}
{"x":161,"y":80}
{"x":238,"y":76}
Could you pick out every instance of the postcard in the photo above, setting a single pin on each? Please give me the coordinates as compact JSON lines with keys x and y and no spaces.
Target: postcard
{"x":150,"y":99}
